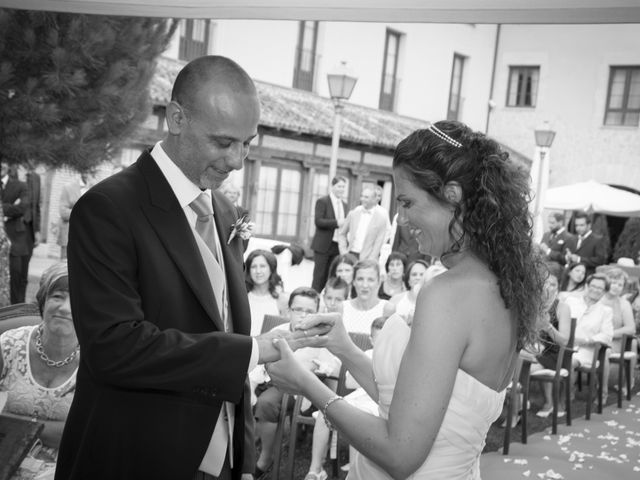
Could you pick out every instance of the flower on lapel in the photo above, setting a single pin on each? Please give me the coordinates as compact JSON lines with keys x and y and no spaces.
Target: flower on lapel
{"x":242,"y":228}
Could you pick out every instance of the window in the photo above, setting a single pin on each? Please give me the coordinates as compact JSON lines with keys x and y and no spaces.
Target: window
{"x":304,"y":69}
{"x":194,"y":39}
{"x":455,"y":89}
{"x":278,"y":202}
{"x":523,"y":86}
{"x":623,"y":97}
{"x":390,"y":71}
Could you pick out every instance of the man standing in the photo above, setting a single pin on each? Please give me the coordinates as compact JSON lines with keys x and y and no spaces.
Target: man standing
{"x":32,"y":214}
{"x":70,"y":194}
{"x":15,"y":202}
{"x":586,"y":247}
{"x":329,"y":216}
{"x":555,"y":241}
{"x":159,"y":302}
{"x":365,"y":229}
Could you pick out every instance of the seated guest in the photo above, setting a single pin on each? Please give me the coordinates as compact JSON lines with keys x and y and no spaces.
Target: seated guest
{"x":404,"y":303}
{"x":393,"y":281}
{"x":38,"y":363}
{"x":342,"y":266}
{"x":336,"y":292}
{"x":623,"y":322}
{"x":365,"y":307}
{"x":264,"y":287}
{"x":593,"y":324}
{"x":358,"y":398}
{"x":554,"y":330}
{"x":573,"y":280}
{"x":302,"y":302}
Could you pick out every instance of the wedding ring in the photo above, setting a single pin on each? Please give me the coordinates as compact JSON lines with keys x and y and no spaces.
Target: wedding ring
{"x":304,"y":332}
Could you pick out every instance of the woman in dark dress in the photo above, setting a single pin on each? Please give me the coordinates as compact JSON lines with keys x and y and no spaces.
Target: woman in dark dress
{"x":554,"y":332}
{"x":393,"y":282}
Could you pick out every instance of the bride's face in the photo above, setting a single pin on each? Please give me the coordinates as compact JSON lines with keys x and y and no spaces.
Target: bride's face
{"x":427,"y":218}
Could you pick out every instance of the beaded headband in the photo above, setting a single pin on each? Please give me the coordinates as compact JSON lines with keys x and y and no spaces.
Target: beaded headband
{"x":443,"y":136}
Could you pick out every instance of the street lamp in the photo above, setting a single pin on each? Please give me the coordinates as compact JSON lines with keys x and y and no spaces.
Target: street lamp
{"x":341,"y":83}
{"x":544,"y":138}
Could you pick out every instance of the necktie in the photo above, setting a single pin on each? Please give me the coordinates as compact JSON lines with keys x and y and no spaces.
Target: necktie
{"x":206,"y":228}
{"x":222,"y":438}
{"x":579,"y":244}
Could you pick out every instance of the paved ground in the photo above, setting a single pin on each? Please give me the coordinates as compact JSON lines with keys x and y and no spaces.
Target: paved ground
{"x":605,"y":447}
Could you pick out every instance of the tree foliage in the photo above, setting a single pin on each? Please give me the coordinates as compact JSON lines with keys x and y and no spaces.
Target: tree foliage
{"x":74,"y":87}
{"x":628,"y":244}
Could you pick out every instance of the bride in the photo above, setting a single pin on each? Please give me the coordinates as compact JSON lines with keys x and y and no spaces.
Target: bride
{"x":440,"y":382}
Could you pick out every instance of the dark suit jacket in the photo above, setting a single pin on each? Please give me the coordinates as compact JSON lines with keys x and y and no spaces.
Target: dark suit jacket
{"x":32,"y":214}
{"x":15,"y":202}
{"x":326,"y":224}
{"x":558,"y":245}
{"x":592,"y":251}
{"x":155,"y":362}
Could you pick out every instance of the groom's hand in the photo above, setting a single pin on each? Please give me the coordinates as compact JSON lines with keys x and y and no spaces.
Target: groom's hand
{"x":315,"y":326}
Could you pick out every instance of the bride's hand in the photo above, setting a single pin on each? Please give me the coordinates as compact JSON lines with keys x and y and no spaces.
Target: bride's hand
{"x":337,"y":339}
{"x":288,"y":373}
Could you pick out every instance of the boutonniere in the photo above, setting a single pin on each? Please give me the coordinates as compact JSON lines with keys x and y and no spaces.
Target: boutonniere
{"x":560,"y":242}
{"x":241,"y":228}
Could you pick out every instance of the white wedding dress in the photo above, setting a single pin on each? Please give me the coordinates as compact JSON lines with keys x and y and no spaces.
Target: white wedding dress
{"x":472,"y":409}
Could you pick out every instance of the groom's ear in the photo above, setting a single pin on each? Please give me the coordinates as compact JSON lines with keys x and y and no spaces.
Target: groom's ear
{"x":176,"y":117}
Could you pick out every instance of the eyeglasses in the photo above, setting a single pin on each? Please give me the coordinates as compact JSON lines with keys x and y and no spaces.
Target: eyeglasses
{"x":303,"y":311}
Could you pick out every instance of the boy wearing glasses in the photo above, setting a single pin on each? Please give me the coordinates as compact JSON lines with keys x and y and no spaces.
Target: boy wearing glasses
{"x":303,"y":301}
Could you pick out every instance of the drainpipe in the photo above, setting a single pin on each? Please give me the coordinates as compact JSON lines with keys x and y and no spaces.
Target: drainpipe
{"x":490,"y":102}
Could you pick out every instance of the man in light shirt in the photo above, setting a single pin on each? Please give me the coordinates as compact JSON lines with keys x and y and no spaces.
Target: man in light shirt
{"x":365,"y":228}
{"x":594,"y":322}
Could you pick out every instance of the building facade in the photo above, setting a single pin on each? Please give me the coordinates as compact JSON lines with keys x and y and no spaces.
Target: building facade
{"x":500,"y":79}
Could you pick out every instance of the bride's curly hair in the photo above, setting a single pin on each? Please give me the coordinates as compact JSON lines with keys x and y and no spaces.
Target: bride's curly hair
{"x":492,"y":218}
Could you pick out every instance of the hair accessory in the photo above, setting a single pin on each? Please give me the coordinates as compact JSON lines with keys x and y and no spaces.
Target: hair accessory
{"x":443,"y":136}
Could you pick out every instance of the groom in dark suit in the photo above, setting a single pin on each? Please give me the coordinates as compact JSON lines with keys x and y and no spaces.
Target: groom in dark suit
{"x":159,"y":302}
{"x":329,"y":216}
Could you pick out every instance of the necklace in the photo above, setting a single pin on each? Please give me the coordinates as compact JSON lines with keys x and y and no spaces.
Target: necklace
{"x":46,"y":359}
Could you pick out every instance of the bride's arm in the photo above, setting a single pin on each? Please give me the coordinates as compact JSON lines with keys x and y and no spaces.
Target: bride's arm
{"x":423,"y":389}
{"x":358,"y":363}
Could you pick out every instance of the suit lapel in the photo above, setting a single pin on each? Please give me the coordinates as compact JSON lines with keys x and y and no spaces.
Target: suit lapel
{"x":167,"y":218}
{"x":224,"y":215}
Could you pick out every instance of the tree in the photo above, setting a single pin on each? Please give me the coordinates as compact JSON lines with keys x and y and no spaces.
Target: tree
{"x":628,"y":244}
{"x":74,"y":87}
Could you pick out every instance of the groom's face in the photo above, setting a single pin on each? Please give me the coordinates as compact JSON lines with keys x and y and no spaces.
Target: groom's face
{"x":215,"y":134}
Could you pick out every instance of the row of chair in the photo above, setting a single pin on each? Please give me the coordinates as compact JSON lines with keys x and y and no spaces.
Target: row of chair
{"x":292,"y":419}
{"x":560,"y":377}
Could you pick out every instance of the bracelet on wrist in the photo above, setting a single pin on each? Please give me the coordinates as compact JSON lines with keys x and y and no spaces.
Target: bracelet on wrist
{"x":326,"y":406}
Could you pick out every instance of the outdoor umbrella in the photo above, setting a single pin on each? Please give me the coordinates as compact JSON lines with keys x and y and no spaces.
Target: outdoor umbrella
{"x":592,"y":196}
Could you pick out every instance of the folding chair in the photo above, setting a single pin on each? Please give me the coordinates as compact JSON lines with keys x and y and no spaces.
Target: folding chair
{"x":595,"y":376}
{"x":623,"y":359}
{"x":19,"y":315}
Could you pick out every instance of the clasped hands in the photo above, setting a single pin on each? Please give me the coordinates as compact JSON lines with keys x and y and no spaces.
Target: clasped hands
{"x":323,"y":330}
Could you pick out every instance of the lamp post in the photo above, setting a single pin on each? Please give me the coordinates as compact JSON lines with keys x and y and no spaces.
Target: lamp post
{"x":341,"y":83}
{"x":544,"y":136}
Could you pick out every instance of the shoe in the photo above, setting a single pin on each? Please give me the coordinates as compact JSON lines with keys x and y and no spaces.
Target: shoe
{"x":544,"y":413}
{"x":503,"y":424}
{"x":321,"y":475}
{"x":262,"y":474}
{"x":561,"y":413}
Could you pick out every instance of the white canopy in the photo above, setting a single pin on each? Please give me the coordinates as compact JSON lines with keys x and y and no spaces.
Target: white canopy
{"x":594,"y":197}
{"x":427,"y":11}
